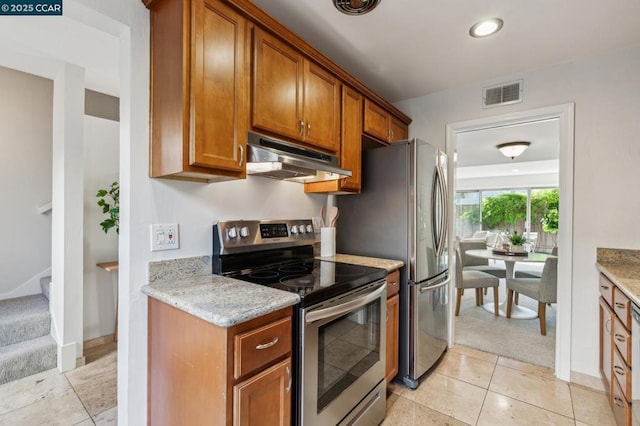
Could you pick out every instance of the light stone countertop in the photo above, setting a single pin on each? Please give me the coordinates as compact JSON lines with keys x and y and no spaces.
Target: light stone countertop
{"x":219,"y":300}
{"x":388,"y":264}
{"x":622,"y":267}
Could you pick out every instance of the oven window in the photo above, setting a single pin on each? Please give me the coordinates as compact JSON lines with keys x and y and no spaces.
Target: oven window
{"x":347,"y":348}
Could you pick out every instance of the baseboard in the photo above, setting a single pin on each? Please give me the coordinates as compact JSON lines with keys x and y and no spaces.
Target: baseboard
{"x":98,"y":341}
{"x":588,"y":381}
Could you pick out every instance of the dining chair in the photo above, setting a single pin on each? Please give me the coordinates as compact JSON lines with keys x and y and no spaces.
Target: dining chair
{"x":477,"y":280}
{"x":533,"y":274}
{"x":477,"y":264}
{"x":543,"y":289}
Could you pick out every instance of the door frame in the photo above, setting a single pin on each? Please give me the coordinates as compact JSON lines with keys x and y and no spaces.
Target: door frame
{"x":565,"y":114}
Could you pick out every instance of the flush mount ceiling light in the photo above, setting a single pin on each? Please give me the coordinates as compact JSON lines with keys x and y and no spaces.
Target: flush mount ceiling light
{"x":355,"y":7}
{"x":486,"y":28}
{"x":513,"y":149}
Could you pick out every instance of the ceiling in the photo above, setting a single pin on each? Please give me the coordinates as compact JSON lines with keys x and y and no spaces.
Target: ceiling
{"x":409,"y":48}
{"x":478,"y":148}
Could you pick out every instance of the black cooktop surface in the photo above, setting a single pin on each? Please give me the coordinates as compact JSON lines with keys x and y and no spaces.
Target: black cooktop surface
{"x":314,"y":280}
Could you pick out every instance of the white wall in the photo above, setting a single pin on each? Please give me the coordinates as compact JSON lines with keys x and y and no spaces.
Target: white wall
{"x":606,"y":93}
{"x":25,"y":180}
{"x":101,"y":164}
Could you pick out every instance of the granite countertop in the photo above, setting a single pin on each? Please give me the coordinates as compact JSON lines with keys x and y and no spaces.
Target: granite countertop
{"x":219,"y":300}
{"x":622,"y":267}
{"x":388,"y":264}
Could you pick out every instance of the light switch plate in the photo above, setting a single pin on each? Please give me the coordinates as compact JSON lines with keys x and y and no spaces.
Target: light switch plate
{"x":164,"y":237}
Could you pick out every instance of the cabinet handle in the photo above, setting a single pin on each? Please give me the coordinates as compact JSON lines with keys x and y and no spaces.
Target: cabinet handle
{"x":388,"y":134}
{"x":620,"y":305}
{"x":392,"y":134}
{"x":267,"y":345}
{"x":289,"y":378}
{"x":308,"y":129}
{"x":618,"y":401}
{"x":301,"y":128}
{"x":607,"y":325}
{"x":241,"y":148}
{"x":619,"y":370}
{"x":604,"y":287}
{"x":620,"y":338}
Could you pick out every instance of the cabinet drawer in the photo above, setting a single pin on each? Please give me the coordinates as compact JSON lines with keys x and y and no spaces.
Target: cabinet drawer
{"x":622,"y":340}
{"x":606,"y":289}
{"x":622,"y":307}
{"x":393,"y":283}
{"x":623,"y":374}
{"x":621,"y":408}
{"x":259,"y":347}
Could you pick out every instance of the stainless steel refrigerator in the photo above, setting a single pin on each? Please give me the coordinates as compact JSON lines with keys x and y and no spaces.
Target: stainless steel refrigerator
{"x":402,"y":214}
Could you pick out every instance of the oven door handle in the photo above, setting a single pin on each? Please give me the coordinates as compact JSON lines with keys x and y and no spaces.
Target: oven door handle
{"x":343,"y":308}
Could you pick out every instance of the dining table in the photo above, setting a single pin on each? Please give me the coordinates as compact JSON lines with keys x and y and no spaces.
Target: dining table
{"x":517,"y":311}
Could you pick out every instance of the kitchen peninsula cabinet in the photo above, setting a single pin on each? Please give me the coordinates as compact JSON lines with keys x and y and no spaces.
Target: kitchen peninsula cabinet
{"x":382,"y":125}
{"x":199,"y":101}
{"x":615,"y":348}
{"x":351,"y":147}
{"x":200,"y":373}
{"x":292,"y":96}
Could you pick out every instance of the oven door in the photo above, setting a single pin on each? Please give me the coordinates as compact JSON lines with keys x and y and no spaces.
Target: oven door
{"x":343,"y":357}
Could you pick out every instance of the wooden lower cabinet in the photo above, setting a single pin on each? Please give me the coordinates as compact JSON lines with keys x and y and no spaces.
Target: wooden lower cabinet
{"x":265,"y":398}
{"x":393,"y":324}
{"x":615,"y":349}
{"x":202,"y":374}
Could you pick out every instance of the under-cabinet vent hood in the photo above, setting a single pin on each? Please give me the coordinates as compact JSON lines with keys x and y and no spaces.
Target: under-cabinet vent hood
{"x":280,"y":160}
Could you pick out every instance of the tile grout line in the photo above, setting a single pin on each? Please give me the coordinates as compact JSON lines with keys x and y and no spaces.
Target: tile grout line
{"x":484,"y":400}
{"x":79,"y":399}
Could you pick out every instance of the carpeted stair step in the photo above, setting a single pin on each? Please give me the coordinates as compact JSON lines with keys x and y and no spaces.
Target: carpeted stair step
{"x":45,"y":285}
{"x":24,"y":318}
{"x":26,"y":358}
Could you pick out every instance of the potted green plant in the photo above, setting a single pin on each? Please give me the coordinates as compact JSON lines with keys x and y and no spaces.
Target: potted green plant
{"x":517,"y":240}
{"x":109,"y":200}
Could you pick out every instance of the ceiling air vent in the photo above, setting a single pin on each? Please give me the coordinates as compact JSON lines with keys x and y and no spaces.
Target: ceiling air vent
{"x":355,"y":7}
{"x":504,"y":94}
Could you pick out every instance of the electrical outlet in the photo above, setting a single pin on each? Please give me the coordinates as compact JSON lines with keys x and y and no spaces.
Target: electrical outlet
{"x":164,"y":237}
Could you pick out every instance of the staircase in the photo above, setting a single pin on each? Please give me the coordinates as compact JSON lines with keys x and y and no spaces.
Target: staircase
{"x":26,"y":346}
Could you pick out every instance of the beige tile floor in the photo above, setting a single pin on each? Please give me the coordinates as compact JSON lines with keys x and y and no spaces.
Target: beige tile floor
{"x":84,"y":396}
{"x":470,"y":387}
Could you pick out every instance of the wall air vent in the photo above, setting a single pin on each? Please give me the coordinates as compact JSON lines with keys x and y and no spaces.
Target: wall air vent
{"x":355,"y":7}
{"x":504,"y":94}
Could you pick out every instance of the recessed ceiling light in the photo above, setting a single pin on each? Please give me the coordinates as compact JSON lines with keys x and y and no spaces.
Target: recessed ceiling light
{"x":486,"y":28}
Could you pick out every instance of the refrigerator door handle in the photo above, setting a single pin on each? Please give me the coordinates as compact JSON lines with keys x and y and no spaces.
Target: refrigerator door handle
{"x":426,"y":288}
{"x":439,"y":193}
{"x":434,"y":216}
{"x":445,"y":202}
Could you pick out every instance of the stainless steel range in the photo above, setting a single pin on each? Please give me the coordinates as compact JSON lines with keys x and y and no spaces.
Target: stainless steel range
{"x":339,"y":325}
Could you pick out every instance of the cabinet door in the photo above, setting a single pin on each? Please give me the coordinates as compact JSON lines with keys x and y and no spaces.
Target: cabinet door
{"x":399,"y":131}
{"x":393,"y":320}
{"x":219,"y":92}
{"x":321,"y":108}
{"x":351,"y":153}
{"x":376,"y":121}
{"x":264,"y":399}
{"x":606,"y":333}
{"x":277,"y":86}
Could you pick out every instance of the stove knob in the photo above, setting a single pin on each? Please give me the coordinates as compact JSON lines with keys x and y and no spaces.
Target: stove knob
{"x":309,"y":229}
{"x":244,"y":232}
{"x":302,"y":230}
{"x":294,"y":229}
{"x":231,"y":232}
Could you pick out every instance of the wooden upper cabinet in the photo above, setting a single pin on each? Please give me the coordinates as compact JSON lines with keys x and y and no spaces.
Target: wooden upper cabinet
{"x":199,"y":90}
{"x":351,"y":147}
{"x":277,"y":86}
{"x":292,"y":96}
{"x":382,"y":125}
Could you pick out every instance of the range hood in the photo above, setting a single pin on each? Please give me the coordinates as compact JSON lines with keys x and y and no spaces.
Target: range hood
{"x":272,"y":158}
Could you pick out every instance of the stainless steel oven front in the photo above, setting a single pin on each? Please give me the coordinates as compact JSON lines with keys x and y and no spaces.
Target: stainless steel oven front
{"x":343,"y":358}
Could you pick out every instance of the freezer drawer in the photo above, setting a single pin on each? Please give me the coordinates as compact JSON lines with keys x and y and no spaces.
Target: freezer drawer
{"x":429,"y":330}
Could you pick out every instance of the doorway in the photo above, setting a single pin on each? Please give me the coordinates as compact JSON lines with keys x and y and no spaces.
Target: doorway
{"x":564,"y":114}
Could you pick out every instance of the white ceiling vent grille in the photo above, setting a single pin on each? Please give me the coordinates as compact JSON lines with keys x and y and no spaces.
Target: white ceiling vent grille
{"x":504,"y":94}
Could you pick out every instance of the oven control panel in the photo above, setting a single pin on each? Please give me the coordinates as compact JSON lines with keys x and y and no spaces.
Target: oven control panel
{"x":237,"y":236}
